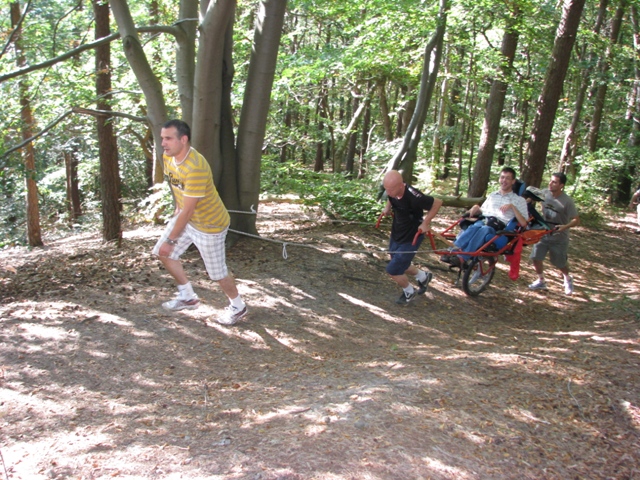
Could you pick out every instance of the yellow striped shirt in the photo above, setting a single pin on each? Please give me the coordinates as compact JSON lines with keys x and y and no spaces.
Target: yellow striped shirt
{"x":193,"y":178}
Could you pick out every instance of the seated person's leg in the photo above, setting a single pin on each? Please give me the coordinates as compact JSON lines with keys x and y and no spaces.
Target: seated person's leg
{"x":482,"y":236}
{"x":463,"y":239}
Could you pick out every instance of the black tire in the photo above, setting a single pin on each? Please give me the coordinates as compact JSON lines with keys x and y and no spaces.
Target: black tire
{"x":478,"y":275}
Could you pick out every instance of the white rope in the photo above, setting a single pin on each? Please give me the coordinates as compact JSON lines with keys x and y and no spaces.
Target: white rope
{"x":304,"y":245}
{"x":285,"y":255}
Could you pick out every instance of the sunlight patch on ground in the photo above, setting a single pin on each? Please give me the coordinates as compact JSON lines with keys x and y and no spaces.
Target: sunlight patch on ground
{"x":523,"y":415}
{"x":600,"y":338}
{"x":375,"y":310}
{"x":318,"y":333}
{"x":291,"y":343}
{"x":447,"y":470}
{"x":633,"y":412}
{"x":32,"y":331}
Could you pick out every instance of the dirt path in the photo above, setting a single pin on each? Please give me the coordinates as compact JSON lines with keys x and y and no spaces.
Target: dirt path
{"x":327,"y":378}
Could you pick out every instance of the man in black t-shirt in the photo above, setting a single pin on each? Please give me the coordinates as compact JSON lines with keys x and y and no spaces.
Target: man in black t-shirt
{"x":408,"y":205}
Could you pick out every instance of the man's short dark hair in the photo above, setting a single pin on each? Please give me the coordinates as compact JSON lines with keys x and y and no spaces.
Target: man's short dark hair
{"x":509,"y":170}
{"x":561,"y":177}
{"x":181,"y":127}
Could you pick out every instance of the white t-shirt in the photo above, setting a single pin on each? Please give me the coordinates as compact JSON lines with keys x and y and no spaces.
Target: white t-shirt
{"x":491,"y":206}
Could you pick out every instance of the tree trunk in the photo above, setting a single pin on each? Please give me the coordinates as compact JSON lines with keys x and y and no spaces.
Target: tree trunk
{"x":601,"y":92}
{"x":255,"y":106}
{"x":107,"y":144}
{"x":364,"y":141}
{"x":211,"y":70}
{"x":73,"y":192}
{"x":34,"y":236}
{"x":571,"y":138}
{"x":633,"y":112}
{"x":384,"y":111}
{"x":551,"y":91}
{"x":451,"y":124}
{"x":186,"y":56}
{"x":353,"y":138}
{"x":494,"y":109}
{"x":149,"y":83}
{"x":440,"y":115}
{"x":406,"y":155}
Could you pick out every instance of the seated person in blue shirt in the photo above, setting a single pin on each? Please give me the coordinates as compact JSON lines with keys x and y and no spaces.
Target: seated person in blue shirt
{"x":502,"y":210}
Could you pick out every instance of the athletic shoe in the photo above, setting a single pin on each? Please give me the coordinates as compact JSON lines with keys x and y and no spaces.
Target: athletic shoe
{"x":231,"y":315}
{"x":568,"y":286}
{"x":538,"y":285}
{"x":423,"y":285}
{"x":404,"y":298}
{"x":180,"y":304}
{"x":456,"y":261}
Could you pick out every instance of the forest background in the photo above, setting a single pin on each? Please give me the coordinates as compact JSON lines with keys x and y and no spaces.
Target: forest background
{"x":310,"y":98}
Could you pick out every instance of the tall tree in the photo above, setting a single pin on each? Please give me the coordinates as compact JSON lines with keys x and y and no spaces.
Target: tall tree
{"x":551,"y":91}
{"x":495,"y":106}
{"x":107,"y":144}
{"x":571,"y":138}
{"x":149,"y":83}
{"x":633,"y":110}
{"x":34,"y":235}
{"x":255,"y":107}
{"x":605,"y":65}
{"x":405,"y":157}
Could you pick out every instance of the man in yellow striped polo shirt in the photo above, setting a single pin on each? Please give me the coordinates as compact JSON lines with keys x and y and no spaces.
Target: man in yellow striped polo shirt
{"x":200,"y":218}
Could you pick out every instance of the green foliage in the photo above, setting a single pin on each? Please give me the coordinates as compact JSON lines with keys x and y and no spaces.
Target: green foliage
{"x":601,"y":172}
{"x":339,"y":197}
{"x":157,"y":207}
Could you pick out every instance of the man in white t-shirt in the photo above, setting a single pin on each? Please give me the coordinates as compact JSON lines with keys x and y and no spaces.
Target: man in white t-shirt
{"x":498,"y":210}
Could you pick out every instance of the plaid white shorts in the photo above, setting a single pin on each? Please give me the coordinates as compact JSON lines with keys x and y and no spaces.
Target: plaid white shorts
{"x":210,"y":246}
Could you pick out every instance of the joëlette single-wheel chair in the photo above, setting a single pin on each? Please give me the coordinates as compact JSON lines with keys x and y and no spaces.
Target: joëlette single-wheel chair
{"x":476,"y":269}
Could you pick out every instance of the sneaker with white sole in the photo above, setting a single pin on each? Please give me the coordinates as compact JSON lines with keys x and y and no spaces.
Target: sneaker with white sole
{"x":178,"y":304}
{"x":568,"y":286}
{"x":422,"y":286}
{"x":404,"y":298}
{"x":231,"y":315}
{"x":538,"y":285}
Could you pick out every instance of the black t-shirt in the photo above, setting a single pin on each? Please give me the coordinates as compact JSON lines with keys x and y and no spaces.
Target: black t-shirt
{"x":407,"y":214}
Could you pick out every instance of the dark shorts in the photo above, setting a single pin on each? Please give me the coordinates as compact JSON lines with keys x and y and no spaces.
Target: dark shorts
{"x":400,"y":262}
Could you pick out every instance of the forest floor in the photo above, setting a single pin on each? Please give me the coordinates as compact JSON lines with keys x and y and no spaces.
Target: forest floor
{"x":326,"y":378}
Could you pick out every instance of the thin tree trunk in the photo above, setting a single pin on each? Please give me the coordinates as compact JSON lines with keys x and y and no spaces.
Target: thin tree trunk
{"x":405,"y":157}
{"x":107,"y":144}
{"x":364,"y":141}
{"x":494,"y":109}
{"x":150,"y":85}
{"x":450,"y":124}
{"x":353,"y":138}
{"x":73,"y":192}
{"x":440,"y":115}
{"x":551,"y":91}
{"x":633,"y":113}
{"x":601,"y":92}
{"x":34,"y":236}
{"x":384,"y":111}
{"x":571,"y":135}
{"x":186,"y":56}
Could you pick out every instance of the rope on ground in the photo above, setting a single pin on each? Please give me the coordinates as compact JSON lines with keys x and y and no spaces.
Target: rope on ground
{"x":285,"y":255}
{"x":315,"y":247}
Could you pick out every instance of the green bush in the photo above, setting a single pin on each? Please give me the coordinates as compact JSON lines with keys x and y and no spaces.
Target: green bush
{"x":338,"y":196}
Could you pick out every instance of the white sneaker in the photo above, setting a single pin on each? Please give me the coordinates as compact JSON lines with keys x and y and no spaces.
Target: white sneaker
{"x":180,"y":304}
{"x":538,"y":285}
{"x":568,"y":286}
{"x":231,"y":315}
